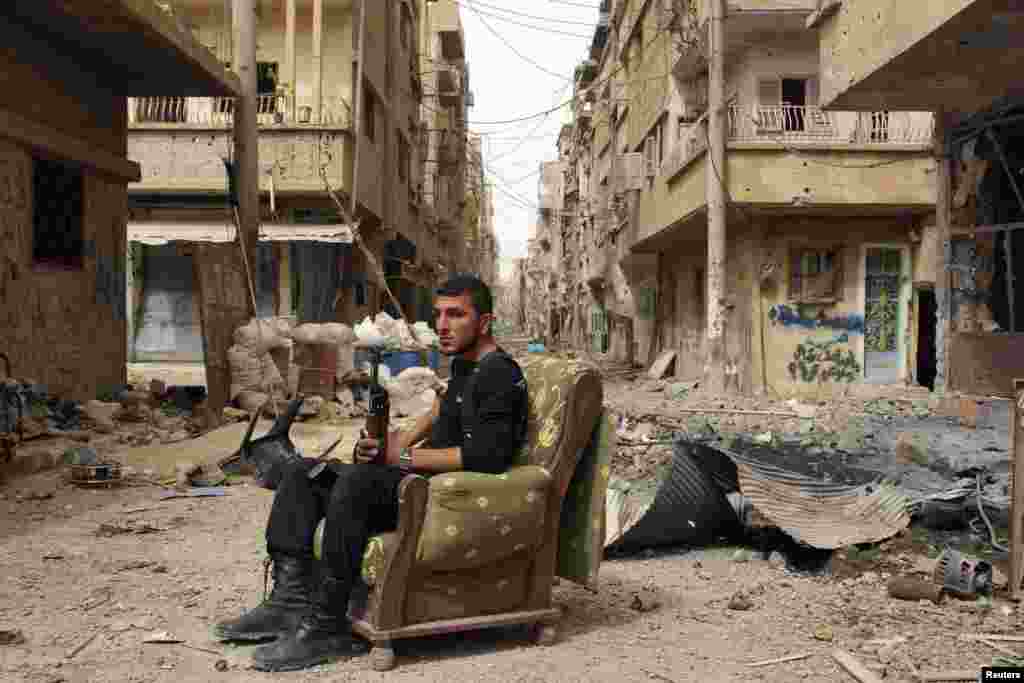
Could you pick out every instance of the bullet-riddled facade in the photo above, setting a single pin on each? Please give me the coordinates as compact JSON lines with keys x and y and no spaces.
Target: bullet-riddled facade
{"x":406,"y":117}
{"x":826,"y":210}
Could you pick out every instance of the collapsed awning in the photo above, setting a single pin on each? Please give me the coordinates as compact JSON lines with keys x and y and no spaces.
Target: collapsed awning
{"x":163,"y":233}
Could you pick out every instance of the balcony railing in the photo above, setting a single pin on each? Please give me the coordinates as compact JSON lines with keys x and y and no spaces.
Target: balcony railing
{"x":792,"y":124}
{"x":218,"y":112}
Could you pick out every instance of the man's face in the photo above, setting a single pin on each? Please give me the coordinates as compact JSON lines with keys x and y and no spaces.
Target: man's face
{"x":459,"y":327}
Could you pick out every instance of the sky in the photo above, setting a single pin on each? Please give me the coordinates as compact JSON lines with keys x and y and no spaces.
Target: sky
{"x":549,"y":36}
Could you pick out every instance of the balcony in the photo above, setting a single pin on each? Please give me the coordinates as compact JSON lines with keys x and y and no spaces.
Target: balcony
{"x":940,"y":54}
{"x":793,"y":159}
{"x":218,"y":113}
{"x":785,"y":124}
{"x":190,"y":160}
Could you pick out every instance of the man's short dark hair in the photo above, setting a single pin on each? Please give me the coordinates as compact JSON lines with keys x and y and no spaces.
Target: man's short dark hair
{"x":479,"y":292}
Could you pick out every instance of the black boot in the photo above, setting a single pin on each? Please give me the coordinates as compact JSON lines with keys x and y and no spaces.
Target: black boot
{"x":279,"y":612}
{"x":322,"y":636}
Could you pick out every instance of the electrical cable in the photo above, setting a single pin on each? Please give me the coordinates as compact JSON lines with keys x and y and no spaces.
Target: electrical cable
{"x":593,"y":85}
{"x":588,"y":24}
{"x":512,"y":47}
{"x":575,"y":4}
{"x":524,"y":25}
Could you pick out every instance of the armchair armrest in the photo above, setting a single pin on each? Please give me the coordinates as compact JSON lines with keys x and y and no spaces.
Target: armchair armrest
{"x":473,"y":519}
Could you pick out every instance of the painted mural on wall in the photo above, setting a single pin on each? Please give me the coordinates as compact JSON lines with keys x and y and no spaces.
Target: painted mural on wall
{"x":788,"y":316}
{"x":827,"y":360}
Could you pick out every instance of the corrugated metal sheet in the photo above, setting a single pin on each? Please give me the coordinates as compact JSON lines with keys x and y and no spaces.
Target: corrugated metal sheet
{"x":685,"y":507}
{"x":688,"y":505}
{"x":820,"y":514}
{"x":163,"y":233}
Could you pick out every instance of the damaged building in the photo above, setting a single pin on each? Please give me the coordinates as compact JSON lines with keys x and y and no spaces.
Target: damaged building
{"x":65,"y":173}
{"x":385,"y":122}
{"x":801,"y":255}
{"x":960,"y":65}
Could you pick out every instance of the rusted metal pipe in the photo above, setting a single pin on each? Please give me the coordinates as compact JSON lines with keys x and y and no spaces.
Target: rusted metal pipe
{"x":909,"y":588}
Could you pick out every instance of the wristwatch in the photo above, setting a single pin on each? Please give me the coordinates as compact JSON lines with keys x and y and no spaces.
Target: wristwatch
{"x":405,"y":459}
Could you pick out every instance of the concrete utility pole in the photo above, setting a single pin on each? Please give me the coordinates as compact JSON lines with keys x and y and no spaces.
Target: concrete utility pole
{"x":714,"y":369}
{"x":943,"y":221}
{"x":245,"y":129}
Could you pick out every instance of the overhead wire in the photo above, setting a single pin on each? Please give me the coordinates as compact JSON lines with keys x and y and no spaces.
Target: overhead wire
{"x":593,"y":85}
{"x":553,"y":20}
{"x":512,"y":47}
{"x":542,"y":29}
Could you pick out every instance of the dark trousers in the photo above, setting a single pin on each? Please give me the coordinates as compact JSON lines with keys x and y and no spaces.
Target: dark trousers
{"x":361,"y":502}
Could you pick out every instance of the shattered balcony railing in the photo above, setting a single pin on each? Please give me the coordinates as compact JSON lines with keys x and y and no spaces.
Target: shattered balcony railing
{"x":809,"y":125}
{"x":218,"y":112}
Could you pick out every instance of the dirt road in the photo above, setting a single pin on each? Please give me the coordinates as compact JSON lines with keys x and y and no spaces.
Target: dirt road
{"x":88,"y":575}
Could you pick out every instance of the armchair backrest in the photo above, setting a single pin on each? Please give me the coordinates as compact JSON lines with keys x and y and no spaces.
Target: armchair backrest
{"x":566,"y":399}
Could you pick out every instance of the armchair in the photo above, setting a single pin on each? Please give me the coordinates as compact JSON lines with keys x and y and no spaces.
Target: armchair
{"x":479,"y":550}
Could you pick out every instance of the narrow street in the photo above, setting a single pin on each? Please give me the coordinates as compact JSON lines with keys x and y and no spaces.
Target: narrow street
{"x":89,"y":575}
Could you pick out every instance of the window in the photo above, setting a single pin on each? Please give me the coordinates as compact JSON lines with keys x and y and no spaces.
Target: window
{"x":369,"y":113}
{"x":783,"y":102}
{"x":403,"y":158}
{"x":266,"y":87}
{"x":815,"y":274}
{"x":57,"y":233}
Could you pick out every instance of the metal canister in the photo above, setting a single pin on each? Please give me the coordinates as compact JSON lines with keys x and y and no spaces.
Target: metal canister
{"x":962,"y":575}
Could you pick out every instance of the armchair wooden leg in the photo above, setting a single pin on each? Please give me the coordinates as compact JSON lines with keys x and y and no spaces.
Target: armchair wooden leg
{"x":382,"y":657}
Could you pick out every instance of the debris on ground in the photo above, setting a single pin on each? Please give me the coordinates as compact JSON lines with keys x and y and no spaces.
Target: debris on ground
{"x":11,"y":637}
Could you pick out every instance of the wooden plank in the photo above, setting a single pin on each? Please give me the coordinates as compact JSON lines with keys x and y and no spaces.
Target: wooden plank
{"x":853,"y":667}
{"x":368,"y":631}
{"x":1016,"y":492}
{"x":660,"y":366}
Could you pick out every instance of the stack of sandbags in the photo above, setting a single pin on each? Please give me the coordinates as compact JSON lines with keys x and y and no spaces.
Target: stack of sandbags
{"x":255,"y":376}
{"x":412,"y":391}
{"x":333,"y":334}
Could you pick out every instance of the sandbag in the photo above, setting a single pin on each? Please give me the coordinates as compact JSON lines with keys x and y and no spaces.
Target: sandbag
{"x":307,"y":333}
{"x":346,"y":360}
{"x":336,"y":333}
{"x":252,"y":372}
{"x":246,"y":370}
{"x":258,"y":336}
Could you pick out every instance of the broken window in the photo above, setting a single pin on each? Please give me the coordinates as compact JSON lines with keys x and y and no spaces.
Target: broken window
{"x":57,"y":227}
{"x":815,"y":274}
{"x":266,"y":87}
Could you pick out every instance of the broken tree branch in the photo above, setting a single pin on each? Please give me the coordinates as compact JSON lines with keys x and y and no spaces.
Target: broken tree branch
{"x":781,"y":660}
{"x":727,"y":411}
{"x":370,"y":258}
{"x":853,"y":667}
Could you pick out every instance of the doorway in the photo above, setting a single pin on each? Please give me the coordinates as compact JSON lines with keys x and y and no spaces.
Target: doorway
{"x":883,"y":319}
{"x":926,"y":319}
{"x":794,"y":99}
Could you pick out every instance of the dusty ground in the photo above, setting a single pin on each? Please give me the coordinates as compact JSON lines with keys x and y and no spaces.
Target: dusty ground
{"x":86,"y":575}
{"x":199,"y":560}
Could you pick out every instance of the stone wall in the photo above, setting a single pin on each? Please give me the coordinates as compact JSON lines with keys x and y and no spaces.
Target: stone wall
{"x":65,"y":328}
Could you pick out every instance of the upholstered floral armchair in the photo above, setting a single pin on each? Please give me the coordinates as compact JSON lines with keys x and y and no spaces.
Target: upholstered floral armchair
{"x":479,"y":550}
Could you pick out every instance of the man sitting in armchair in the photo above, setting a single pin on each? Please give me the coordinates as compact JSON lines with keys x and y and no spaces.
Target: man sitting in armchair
{"x":477,"y":425}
